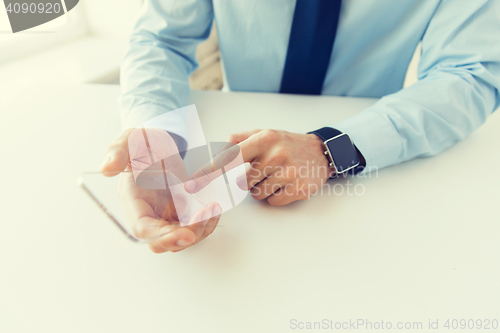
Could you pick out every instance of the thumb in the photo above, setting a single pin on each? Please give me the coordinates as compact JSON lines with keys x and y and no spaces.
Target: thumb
{"x":116,"y":156}
{"x":242,"y":136}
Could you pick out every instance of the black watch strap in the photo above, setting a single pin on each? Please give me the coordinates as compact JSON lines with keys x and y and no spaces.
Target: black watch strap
{"x":327,"y":133}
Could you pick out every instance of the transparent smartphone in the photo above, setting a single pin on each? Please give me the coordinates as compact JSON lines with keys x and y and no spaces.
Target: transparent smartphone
{"x":151,"y":201}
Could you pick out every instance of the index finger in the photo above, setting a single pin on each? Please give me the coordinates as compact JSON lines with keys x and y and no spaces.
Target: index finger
{"x":224,"y":161}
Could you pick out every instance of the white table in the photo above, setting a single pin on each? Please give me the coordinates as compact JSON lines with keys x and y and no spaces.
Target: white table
{"x":422,"y":242}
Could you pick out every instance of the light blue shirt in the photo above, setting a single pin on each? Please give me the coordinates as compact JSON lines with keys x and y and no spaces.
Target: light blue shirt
{"x":459,"y":70}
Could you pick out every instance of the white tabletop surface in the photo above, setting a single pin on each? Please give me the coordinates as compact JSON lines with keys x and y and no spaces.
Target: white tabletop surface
{"x":421,"y":243}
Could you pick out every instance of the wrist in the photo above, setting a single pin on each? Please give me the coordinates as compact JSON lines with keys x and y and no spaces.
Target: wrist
{"x":319,"y":149}
{"x":340,"y":151}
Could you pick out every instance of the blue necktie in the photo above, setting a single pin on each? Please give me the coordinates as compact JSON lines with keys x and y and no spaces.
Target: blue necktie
{"x":312,"y":36}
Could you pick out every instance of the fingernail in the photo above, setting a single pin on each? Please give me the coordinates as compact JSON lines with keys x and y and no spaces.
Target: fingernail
{"x":190,"y":186}
{"x":183,"y":242}
{"x":242,"y":183}
{"x":216,"y":210}
{"x":241,"y":177}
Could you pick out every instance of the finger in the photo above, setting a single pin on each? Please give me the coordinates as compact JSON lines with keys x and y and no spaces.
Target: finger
{"x":212,"y":223}
{"x":206,"y":216}
{"x":201,"y":178}
{"x":176,"y":240}
{"x":285,"y":195}
{"x":252,"y":148}
{"x":143,"y":221}
{"x":180,"y":203}
{"x":225,"y":160}
{"x":246,"y":151}
{"x":116,"y":155}
{"x":200,"y":219}
{"x":180,"y":238}
{"x":241,"y":136}
{"x":267,"y":187}
{"x":197,"y":223}
{"x":162,"y":235}
{"x":258,"y":172}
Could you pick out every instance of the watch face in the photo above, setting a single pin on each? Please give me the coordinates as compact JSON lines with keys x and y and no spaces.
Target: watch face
{"x":343,"y":153}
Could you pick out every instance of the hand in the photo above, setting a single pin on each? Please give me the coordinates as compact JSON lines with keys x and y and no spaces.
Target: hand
{"x":150,"y":209}
{"x":285,"y":166}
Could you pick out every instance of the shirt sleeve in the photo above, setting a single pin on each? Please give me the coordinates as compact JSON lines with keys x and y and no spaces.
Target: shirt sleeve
{"x":458,"y":88}
{"x":162,"y":54}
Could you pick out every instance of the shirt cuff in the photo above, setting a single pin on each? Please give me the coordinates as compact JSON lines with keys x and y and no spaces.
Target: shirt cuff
{"x":375,"y":137}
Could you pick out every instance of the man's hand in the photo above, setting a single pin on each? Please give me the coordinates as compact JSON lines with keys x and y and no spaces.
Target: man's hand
{"x":151,"y":211}
{"x":285,"y":166}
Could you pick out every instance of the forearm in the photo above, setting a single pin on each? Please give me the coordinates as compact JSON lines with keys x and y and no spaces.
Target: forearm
{"x":458,"y":88}
{"x":423,"y":119}
{"x":155,"y":71}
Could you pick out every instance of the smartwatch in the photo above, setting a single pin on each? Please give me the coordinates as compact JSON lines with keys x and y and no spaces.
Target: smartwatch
{"x":343,"y":156}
